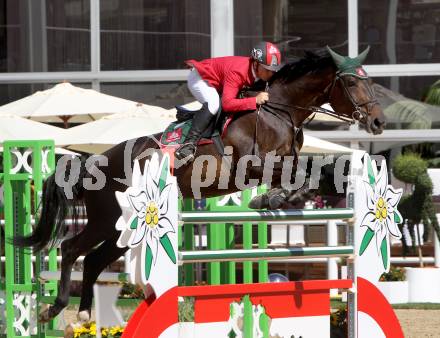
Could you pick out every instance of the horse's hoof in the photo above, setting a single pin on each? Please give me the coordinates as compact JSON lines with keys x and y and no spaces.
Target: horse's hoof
{"x":84,"y":316}
{"x":259,"y":202}
{"x":276,"y":202}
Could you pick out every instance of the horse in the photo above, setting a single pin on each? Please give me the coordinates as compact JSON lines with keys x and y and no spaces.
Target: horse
{"x":296,"y":92}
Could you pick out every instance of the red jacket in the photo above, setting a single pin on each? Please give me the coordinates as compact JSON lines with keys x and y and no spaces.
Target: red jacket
{"x":228,"y":75}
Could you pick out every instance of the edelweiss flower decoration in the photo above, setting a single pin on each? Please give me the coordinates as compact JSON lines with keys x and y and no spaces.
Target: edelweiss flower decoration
{"x":382,"y":215}
{"x":145,"y":218}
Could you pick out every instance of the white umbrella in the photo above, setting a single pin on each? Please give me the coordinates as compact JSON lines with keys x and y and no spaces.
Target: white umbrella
{"x":314,"y":145}
{"x":17,"y":128}
{"x":99,"y":136}
{"x":67,"y":103}
{"x":324,"y":117}
{"x":194,"y":105}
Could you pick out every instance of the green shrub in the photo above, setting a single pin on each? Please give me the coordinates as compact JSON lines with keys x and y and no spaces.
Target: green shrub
{"x":129,"y":290}
{"x":338,"y":323}
{"x":433,"y":95}
{"x":395,"y":274}
{"x":409,"y":167}
{"x":186,"y":310}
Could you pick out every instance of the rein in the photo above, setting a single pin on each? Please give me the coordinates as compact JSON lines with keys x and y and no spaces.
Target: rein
{"x":314,"y":110}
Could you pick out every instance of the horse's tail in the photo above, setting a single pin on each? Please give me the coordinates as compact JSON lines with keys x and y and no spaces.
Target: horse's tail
{"x":55,"y":206}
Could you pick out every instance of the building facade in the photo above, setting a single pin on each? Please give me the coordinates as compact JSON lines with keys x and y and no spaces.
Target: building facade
{"x":136,"y":48}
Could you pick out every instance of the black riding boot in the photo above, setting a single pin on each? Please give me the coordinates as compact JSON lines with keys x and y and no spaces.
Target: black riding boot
{"x":201,"y":120}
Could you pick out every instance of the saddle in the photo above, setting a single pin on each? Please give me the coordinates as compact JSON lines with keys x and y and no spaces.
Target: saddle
{"x":176,"y":132}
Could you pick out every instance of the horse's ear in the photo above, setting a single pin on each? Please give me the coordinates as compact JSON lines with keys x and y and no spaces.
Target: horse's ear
{"x":338,"y":59}
{"x":362,"y":56}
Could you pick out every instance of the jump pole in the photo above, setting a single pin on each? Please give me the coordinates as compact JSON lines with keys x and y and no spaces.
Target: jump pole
{"x":365,"y":177}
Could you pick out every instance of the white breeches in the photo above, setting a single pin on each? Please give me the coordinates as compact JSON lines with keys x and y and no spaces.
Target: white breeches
{"x":203,"y":92}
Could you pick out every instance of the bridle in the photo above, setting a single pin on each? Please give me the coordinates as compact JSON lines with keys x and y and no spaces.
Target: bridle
{"x":357,"y":115}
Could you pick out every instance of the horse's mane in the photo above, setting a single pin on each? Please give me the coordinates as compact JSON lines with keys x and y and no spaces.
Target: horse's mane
{"x":311,"y":62}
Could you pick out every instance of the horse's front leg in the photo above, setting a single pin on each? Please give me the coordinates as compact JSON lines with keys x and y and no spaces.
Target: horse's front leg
{"x":272,"y":199}
{"x":275,"y":197}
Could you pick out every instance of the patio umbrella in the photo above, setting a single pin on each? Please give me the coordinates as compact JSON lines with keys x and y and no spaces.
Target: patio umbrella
{"x":99,"y":136}
{"x":18,"y":128}
{"x":321,"y":117}
{"x":67,"y":103}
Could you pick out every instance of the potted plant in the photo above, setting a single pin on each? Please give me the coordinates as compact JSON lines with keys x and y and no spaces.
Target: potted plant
{"x":186,"y":317}
{"x":338,"y":323}
{"x":394,"y":286}
{"x":416,"y":208}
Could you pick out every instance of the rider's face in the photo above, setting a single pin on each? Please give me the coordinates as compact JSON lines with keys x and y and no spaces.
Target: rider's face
{"x":263,"y":73}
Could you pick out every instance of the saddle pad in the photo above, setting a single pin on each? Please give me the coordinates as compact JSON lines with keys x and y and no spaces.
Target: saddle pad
{"x":176,"y":133}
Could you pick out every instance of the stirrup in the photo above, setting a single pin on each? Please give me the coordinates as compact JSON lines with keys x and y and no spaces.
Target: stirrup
{"x":189,"y":151}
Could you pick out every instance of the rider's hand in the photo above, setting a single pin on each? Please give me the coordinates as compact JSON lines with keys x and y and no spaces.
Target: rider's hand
{"x":262,"y":97}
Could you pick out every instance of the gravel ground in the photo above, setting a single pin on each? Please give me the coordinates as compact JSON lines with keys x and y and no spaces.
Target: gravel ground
{"x":415,"y":323}
{"x":419,"y":323}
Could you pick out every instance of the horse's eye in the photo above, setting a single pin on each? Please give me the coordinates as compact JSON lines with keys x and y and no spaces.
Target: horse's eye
{"x":351,"y":83}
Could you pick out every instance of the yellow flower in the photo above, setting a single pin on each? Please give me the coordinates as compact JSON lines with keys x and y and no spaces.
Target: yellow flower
{"x":78,"y":331}
{"x":115,"y":330}
{"x":93,"y":329}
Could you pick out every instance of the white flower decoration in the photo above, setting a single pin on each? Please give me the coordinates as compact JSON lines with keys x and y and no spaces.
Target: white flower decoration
{"x":147,"y":212}
{"x":382,"y":215}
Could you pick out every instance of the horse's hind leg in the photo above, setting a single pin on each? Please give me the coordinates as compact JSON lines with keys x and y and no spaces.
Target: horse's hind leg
{"x":71,"y":249}
{"x":94,"y":263}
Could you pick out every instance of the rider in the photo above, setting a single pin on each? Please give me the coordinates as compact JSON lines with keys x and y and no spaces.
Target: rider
{"x":226,"y":76}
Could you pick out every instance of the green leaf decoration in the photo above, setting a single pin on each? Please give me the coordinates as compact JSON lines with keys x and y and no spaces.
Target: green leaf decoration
{"x":264,"y":324}
{"x":168,"y":247}
{"x":369,"y":234}
{"x":371,"y":176}
{"x":148,"y":262}
{"x":248,"y":319}
{"x":397,"y":218}
{"x":384,"y":252}
{"x":232,"y":334}
{"x":134,"y":223}
{"x":164,"y":173}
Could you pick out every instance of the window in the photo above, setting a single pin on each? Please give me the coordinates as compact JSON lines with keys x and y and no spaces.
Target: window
{"x":38,"y":36}
{"x":403,"y":106}
{"x":153,"y":34}
{"x":163,"y":94}
{"x":404,"y":33}
{"x":317,"y":23}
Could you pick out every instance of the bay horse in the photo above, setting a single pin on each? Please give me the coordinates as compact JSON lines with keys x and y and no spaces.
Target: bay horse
{"x":311,"y":81}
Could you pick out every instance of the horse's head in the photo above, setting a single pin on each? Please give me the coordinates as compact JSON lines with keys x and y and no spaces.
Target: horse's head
{"x":351,"y":94}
